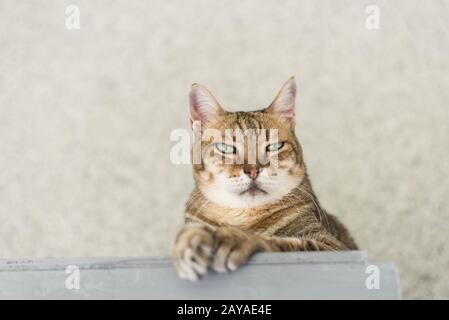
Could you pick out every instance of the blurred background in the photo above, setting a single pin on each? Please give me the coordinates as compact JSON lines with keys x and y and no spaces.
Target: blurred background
{"x":86,"y":115}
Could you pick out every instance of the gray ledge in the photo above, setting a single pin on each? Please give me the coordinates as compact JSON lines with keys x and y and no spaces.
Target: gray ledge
{"x":293,"y":275}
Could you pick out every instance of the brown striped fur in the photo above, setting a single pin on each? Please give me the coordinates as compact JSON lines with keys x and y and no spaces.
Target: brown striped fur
{"x":225,"y":227}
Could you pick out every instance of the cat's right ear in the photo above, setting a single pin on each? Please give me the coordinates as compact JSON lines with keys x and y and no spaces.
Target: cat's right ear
{"x":203,"y":105}
{"x":284,"y":103}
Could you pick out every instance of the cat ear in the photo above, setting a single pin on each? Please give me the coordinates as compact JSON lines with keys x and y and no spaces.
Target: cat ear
{"x":284,"y":103}
{"x":203,"y":105}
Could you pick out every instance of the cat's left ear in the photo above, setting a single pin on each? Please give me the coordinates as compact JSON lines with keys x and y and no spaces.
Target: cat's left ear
{"x":203,"y":105}
{"x":284,"y":103}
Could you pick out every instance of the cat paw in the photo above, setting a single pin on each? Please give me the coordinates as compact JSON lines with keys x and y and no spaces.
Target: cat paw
{"x":233,"y":247}
{"x":193,"y":250}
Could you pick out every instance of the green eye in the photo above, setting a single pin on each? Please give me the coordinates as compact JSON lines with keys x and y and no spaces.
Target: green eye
{"x":275,"y":146}
{"x":225,"y":148}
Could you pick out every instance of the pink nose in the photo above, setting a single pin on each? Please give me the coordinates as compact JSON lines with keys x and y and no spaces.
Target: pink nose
{"x":252,"y":172}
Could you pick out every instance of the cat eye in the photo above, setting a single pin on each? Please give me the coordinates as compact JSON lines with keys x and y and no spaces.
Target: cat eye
{"x":225,"y":148}
{"x":275,"y":146}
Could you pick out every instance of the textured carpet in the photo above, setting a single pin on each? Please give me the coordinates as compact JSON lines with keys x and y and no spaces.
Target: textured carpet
{"x":85,"y":119}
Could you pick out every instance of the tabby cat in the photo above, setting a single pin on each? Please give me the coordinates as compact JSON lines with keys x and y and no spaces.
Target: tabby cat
{"x":241,"y":207}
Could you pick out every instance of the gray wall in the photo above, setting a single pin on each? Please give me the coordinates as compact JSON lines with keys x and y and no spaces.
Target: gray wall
{"x":85,"y":118}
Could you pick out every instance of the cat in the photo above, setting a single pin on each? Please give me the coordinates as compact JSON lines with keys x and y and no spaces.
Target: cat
{"x":241,"y":207}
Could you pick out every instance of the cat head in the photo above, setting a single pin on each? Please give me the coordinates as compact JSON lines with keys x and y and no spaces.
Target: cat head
{"x":248,"y":159}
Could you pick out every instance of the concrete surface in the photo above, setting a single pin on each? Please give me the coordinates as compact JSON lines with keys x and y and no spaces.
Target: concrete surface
{"x":85,"y":118}
{"x":316,"y":275}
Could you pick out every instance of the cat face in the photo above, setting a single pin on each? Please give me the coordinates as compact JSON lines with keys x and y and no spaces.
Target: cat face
{"x":248,"y":159}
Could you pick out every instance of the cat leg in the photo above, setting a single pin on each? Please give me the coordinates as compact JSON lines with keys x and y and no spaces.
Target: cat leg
{"x":233,"y":246}
{"x":199,"y":246}
{"x":305,"y":243}
{"x":192,"y":253}
{"x":224,"y":249}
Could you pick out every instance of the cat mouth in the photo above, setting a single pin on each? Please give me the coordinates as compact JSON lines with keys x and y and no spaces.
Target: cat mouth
{"x":253,"y":190}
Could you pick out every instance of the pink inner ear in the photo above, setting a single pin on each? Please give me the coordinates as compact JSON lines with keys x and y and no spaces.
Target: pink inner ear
{"x":203,"y":105}
{"x":289,"y":116}
{"x":286,"y":109}
{"x":195,"y":115}
{"x":200,"y":106}
{"x":285,"y":102}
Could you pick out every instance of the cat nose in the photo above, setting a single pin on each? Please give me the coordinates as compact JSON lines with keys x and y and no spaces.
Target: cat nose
{"x":252,"y":172}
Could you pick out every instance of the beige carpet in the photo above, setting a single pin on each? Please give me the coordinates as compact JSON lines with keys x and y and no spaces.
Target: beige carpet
{"x":85,"y":118}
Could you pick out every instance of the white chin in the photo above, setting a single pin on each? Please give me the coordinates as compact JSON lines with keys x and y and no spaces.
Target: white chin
{"x":235,"y":200}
